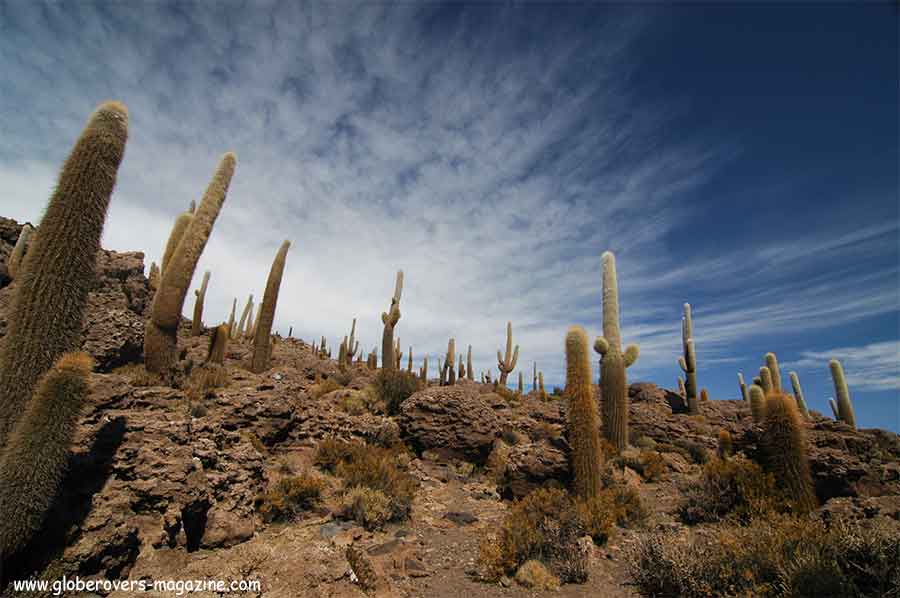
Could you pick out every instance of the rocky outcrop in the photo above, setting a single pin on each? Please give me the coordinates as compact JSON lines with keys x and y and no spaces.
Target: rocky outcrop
{"x":114,"y":318}
{"x":453,"y":421}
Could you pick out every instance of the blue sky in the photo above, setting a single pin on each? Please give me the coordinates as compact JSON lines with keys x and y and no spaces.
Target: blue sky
{"x":741,"y":157}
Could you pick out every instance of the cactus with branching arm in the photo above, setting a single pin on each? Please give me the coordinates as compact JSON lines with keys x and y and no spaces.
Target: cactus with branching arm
{"x":507,"y":363}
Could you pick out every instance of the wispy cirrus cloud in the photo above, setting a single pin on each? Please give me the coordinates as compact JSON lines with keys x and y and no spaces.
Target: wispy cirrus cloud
{"x":875,"y":366}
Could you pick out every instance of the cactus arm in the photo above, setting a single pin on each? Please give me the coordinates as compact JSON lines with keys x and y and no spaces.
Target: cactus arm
{"x":18,"y":253}
{"x":631,"y":355}
{"x":197,"y":322}
{"x":182,"y":223}
{"x":798,"y":394}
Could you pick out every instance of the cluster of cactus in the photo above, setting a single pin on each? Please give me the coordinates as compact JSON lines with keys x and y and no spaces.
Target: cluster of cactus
{"x":349,"y":347}
{"x":507,"y":362}
{"x":390,"y":319}
{"x":160,"y":336}
{"x":688,"y":361}
{"x":43,"y":385}
{"x":582,"y":416}
{"x":613,"y":363}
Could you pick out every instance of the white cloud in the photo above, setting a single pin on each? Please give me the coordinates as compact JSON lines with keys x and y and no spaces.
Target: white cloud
{"x":875,"y":366}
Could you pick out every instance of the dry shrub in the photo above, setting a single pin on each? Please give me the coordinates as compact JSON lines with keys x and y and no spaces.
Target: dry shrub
{"x":535,"y":576}
{"x":735,"y":488}
{"x":507,"y":393}
{"x":369,"y":508}
{"x":289,"y":496}
{"x":545,"y":431}
{"x":392,"y":387}
{"x":692,"y":451}
{"x":138,"y":375}
{"x":613,"y":506}
{"x":352,"y":402}
{"x":343,"y":378}
{"x":778,"y":556}
{"x":323,"y":388}
{"x":332,"y":451}
{"x":649,"y":464}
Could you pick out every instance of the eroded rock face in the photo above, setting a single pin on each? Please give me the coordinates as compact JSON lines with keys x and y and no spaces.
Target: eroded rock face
{"x":453,"y":421}
{"x":115,"y":313}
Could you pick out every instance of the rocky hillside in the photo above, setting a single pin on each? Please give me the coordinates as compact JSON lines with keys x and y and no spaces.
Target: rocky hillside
{"x":168,"y":483}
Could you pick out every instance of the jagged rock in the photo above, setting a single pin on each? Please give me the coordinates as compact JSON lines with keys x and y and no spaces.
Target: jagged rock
{"x":530,"y":465}
{"x":453,"y":421}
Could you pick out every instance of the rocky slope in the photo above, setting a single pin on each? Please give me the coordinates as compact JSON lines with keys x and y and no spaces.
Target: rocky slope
{"x":163,"y":484}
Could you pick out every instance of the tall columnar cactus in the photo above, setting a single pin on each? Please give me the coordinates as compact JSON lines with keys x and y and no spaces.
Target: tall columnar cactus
{"x":352,"y":344}
{"x":153,"y":277}
{"x":541,"y":390}
{"x":765,"y":377}
{"x":44,"y":319}
{"x":757,"y":403}
{"x":745,"y":394}
{"x":424,"y":372}
{"x":342,"y":355}
{"x":442,"y":373}
{"x":521,"y":382}
{"x":688,"y":361}
{"x":470,"y":373}
{"x":461,"y":372}
{"x":34,"y":458}
{"x":390,"y":319}
{"x":450,"y":362}
{"x":507,"y":363}
{"x":398,"y":354}
{"x":252,"y":319}
{"x":785,"y":448}
{"x":613,"y":380}
{"x":248,"y":309}
{"x":409,"y":367}
{"x":231,"y":317}
{"x":14,"y":264}
{"x":197,"y":322}
{"x":262,"y":343}
{"x":160,"y":337}
{"x":834,"y":410}
{"x":218,"y":344}
{"x":534,"y":380}
{"x":582,"y":418}
{"x":182,"y":223}
{"x":842,"y":393}
{"x":798,"y":395}
{"x":775,"y":371}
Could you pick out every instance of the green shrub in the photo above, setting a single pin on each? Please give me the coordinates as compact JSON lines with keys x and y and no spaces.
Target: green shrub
{"x":392,"y":387}
{"x":289,"y":496}
{"x":735,"y":488}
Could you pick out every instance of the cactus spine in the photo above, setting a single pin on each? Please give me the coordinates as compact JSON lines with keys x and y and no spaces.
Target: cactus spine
{"x":14,"y":264}
{"x":775,"y":371}
{"x":842,"y":393}
{"x":390,"y":319}
{"x":248,"y":309}
{"x":688,"y":361}
{"x":757,"y":403}
{"x":507,"y":363}
{"x":798,"y":395}
{"x":197,"y":322}
{"x":613,"y":380}
{"x":262,"y":345}
{"x":470,"y":372}
{"x":160,"y":338}
{"x":36,"y":452}
{"x":582,"y":420}
{"x":44,"y":319}
{"x":744,"y":392}
{"x":786,"y":452}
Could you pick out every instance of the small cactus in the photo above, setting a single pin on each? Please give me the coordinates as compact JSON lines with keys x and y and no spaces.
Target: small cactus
{"x":36,"y":452}
{"x":390,"y":319}
{"x":160,"y":336}
{"x":507,"y":363}
{"x":218,"y":343}
{"x":704,"y":396}
{"x":197,"y":322}
{"x":757,"y":403}
{"x":613,"y":362}
{"x":798,"y":395}
{"x":45,"y":316}
{"x":774,"y":370}
{"x":785,"y":447}
{"x":842,"y":393}
{"x":18,"y":253}
{"x":582,"y":417}
{"x":262,"y":346}
{"x":724,"y":448}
